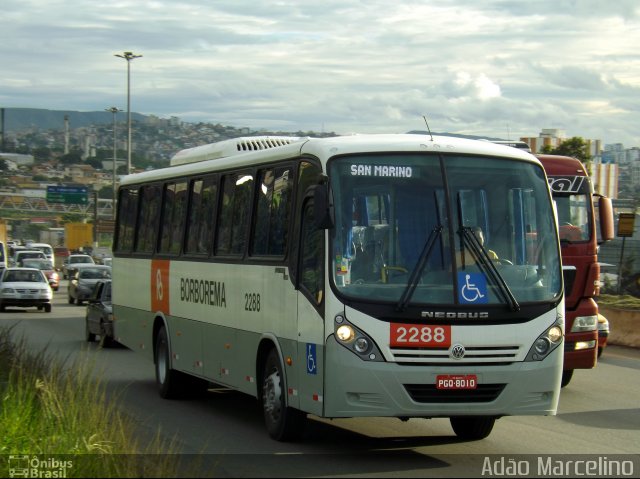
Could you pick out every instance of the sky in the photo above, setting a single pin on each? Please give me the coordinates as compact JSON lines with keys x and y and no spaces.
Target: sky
{"x":497,"y":68}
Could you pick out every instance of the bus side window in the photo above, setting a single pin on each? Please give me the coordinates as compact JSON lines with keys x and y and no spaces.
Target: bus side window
{"x":311,"y":256}
{"x":272,"y":212}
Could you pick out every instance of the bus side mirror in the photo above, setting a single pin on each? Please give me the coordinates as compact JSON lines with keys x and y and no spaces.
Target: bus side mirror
{"x":322,"y":207}
{"x":605,"y":210}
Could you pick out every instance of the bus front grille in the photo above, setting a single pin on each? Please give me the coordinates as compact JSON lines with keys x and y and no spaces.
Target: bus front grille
{"x":428,"y":393}
{"x":490,"y":355}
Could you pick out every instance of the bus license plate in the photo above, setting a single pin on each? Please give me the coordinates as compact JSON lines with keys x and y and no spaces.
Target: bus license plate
{"x":420,"y":336}
{"x":456,"y":381}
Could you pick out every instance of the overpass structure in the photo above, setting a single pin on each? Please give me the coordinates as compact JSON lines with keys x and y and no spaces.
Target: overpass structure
{"x":30,"y":204}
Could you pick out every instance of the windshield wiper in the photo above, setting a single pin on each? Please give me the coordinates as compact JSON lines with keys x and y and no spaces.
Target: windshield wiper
{"x":419,"y":268}
{"x":482,"y":256}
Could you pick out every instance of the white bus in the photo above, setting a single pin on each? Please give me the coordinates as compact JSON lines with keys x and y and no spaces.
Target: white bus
{"x":347,"y":277}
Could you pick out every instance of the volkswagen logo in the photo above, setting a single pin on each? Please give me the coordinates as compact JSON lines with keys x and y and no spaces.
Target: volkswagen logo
{"x":457,"y":351}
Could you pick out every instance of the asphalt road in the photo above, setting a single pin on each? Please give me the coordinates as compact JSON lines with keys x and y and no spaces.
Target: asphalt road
{"x":222,"y":433}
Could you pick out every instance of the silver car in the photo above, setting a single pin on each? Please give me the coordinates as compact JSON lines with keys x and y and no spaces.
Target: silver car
{"x":84,"y":279}
{"x":25,"y":287}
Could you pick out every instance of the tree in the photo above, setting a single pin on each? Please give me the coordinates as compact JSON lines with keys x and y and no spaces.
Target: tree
{"x":41,"y":154}
{"x":575,"y":147}
{"x":106,"y":192}
{"x":95,"y":162}
{"x":71,"y":158}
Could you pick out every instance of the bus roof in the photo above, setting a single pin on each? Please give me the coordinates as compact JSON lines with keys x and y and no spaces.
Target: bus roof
{"x":226,"y":148}
{"x":248,"y":151}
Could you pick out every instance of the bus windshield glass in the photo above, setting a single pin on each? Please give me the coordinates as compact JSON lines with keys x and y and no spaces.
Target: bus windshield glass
{"x":416,"y":229}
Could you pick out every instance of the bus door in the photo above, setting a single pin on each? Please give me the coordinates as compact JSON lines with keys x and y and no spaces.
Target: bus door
{"x":311,"y":298}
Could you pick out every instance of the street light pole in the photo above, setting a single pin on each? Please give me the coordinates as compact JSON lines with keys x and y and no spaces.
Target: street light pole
{"x":128,"y":56}
{"x":114,"y":110}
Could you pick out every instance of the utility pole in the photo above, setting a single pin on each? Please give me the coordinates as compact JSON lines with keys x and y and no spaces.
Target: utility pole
{"x":129,"y":56}
{"x":115,"y":111}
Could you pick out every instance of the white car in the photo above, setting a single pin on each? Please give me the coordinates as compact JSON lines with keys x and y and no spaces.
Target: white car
{"x":25,"y":287}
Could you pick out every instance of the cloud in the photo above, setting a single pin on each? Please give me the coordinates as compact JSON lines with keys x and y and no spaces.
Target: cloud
{"x":344,"y":66}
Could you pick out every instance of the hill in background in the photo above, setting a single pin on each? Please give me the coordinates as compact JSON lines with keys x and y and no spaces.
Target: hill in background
{"x":20,"y":119}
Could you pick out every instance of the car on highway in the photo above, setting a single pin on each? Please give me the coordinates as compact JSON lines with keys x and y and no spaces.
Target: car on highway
{"x":84,"y":279}
{"x":47,"y":268}
{"x":74,"y":260}
{"x":603,"y":333}
{"x":25,"y":287}
{"x":61,"y":254}
{"x":23,"y":254}
{"x":99,"y":317}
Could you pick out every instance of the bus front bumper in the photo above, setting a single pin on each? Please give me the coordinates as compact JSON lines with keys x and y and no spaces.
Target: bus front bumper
{"x":357,"y":388}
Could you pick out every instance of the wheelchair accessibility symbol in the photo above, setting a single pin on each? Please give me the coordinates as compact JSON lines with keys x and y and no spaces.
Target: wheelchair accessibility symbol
{"x":473,"y":288}
{"x":311,"y":359}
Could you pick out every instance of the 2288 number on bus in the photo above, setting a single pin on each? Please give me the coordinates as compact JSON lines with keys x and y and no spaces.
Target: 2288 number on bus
{"x":252,"y":302}
{"x":420,"y":335}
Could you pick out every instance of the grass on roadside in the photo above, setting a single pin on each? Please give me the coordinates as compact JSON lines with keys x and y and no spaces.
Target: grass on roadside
{"x":50,"y":408}
{"x":623,"y":302}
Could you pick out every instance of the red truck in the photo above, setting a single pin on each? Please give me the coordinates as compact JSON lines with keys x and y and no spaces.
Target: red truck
{"x":578,"y":230}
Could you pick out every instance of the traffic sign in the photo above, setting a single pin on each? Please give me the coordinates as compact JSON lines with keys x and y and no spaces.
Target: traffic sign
{"x":78,"y":195}
{"x":626,"y":223}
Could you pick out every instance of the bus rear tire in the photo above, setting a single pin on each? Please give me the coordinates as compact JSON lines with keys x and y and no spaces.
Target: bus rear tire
{"x":472,"y":427}
{"x":172,"y":384}
{"x":283,"y":423}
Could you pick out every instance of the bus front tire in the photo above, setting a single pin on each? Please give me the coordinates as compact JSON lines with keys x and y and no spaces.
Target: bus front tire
{"x":567,"y":374}
{"x":283,"y":423}
{"x":472,"y":427}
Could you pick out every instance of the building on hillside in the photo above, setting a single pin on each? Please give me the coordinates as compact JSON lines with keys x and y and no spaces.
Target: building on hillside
{"x":553,"y":137}
{"x":82,"y":174}
{"x":604,"y":177}
{"x":18,"y":159}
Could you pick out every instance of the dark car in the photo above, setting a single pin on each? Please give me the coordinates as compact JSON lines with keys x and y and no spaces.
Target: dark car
{"x":84,"y":279}
{"x":99,"y":318}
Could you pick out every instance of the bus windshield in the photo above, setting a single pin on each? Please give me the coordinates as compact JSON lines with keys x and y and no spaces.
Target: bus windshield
{"x":443,"y":229}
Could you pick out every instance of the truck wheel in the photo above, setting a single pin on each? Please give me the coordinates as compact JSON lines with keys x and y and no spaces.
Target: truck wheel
{"x":472,"y":427}
{"x":283,"y":423}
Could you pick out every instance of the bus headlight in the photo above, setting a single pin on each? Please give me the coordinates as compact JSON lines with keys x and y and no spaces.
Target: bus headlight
{"x":355,"y":340}
{"x":545,"y":343}
{"x":361,"y":345}
{"x":542,"y":346}
{"x":585,"y":323}
{"x":345,"y":333}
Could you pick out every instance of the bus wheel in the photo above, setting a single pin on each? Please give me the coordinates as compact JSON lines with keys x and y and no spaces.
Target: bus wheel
{"x":283,"y":423}
{"x":567,"y":374}
{"x":167,"y":379}
{"x":472,"y":427}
